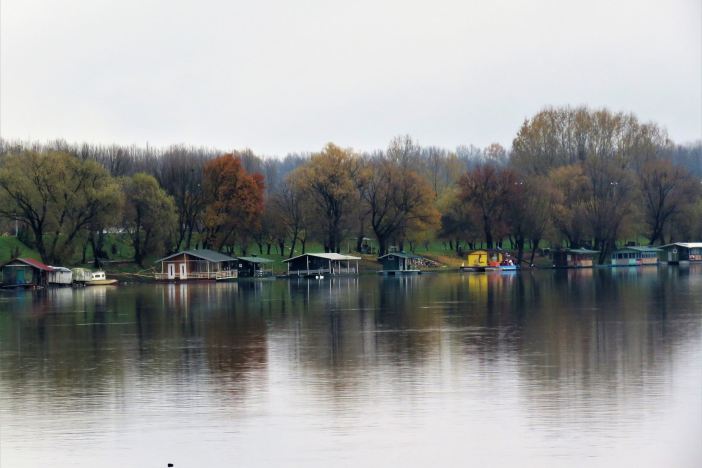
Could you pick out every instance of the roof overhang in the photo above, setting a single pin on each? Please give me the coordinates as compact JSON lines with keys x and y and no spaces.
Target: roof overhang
{"x":326,"y":256}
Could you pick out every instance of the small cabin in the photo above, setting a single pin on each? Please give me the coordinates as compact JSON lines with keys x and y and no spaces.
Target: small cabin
{"x":60,"y":276}
{"x":322,"y":263}
{"x":574,"y":258}
{"x":484,"y":258}
{"x":25,"y":272}
{"x":254,"y":267}
{"x":682,"y":252}
{"x":400,"y":263}
{"x":198,"y":264}
{"x":635,"y":256}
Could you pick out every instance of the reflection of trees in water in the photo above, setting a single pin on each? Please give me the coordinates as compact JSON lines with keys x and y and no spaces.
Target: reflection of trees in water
{"x":102,"y":337}
{"x":600,"y":342}
{"x":577,"y":332}
{"x":324,"y":314}
{"x":58,"y":343}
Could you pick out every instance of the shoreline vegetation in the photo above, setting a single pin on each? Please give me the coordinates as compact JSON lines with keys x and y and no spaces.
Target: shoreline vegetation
{"x":573,"y":178}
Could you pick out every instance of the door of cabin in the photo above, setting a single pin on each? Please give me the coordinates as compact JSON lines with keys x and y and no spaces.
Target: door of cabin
{"x":183,"y":271}
{"x":20,"y":276}
{"x":171,"y":271}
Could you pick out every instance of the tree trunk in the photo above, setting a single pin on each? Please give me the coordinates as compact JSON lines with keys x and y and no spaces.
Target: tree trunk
{"x":189,"y":240}
{"x":520,"y":249}
{"x":488,"y":238}
{"x":382,"y":246}
{"x":85,"y":252}
{"x":534,"y":247}
{"x":292,"y":246}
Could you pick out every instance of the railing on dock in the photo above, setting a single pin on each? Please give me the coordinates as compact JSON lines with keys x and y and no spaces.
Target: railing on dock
{"x":201,"y":275}
{"x":323,"y":271}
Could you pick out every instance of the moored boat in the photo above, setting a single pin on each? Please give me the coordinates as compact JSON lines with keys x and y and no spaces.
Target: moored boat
{"x":489,"y":260}
{"x":98,"y":278}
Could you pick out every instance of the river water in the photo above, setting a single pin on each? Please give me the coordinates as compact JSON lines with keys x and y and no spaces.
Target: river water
{"x":546,"y":368}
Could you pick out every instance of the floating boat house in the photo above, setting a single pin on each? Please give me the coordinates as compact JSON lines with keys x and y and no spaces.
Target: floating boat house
{"x":635,"y":256}
{"x":322,"y":263}
{"x":682,"y":252}
{"x":198,"y":264}
{"x":60,"y":276}
{"x":81,"y":275}
{"x":25,"y":272}
{"x":574,"y":258}
{"x":399,"y":263}
{"x":479,"y":260}
{"x":253,"y":267}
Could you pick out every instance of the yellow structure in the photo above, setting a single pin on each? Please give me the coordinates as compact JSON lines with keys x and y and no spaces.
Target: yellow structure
{"x":480,"y":259}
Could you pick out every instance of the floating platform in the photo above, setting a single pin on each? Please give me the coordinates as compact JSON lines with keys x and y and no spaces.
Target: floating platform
{"x":399,"y":272}
{"x":481,"y":269}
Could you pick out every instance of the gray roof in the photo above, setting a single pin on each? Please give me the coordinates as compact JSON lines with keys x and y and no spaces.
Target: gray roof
{"x":638,"y":248}
{"x":256,"y":259}
{"x":205,"y":254}
{"x":400,"y":254}
{"x":685,"y":245}
{"x":326,"y":256}
{"x":583,"y":251}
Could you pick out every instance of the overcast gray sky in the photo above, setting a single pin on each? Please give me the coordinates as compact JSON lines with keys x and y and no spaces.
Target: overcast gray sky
{"x":283,"y":76}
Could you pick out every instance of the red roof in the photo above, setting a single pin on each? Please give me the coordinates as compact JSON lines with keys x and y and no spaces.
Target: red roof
{"x":35,"y":264}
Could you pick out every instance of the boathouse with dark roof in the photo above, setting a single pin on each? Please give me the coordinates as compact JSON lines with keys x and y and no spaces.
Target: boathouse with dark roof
{"x":197,"y":264}
{"x":254,"y":267}
{"x":682,"y":252}
{"x":399,"y":263}
{"x":574,"y":258}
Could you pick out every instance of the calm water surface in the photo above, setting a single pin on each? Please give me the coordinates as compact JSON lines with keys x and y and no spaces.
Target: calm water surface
{"x":579,"y":368}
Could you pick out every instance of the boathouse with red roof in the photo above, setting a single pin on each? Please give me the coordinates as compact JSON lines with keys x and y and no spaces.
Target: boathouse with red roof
{"x":24,"y":272}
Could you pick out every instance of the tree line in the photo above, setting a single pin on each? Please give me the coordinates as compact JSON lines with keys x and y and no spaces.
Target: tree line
{"x":573,"y":177}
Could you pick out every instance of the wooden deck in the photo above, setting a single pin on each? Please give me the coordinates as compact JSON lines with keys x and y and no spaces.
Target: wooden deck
{"x":321,"y":271}
{"x":197,"y":275}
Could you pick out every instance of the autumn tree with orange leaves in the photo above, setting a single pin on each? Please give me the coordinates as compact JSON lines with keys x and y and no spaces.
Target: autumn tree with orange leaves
{"x":233,"y":202}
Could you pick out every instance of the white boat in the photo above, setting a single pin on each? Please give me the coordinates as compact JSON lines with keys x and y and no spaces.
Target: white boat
{"x":98,"y":278}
